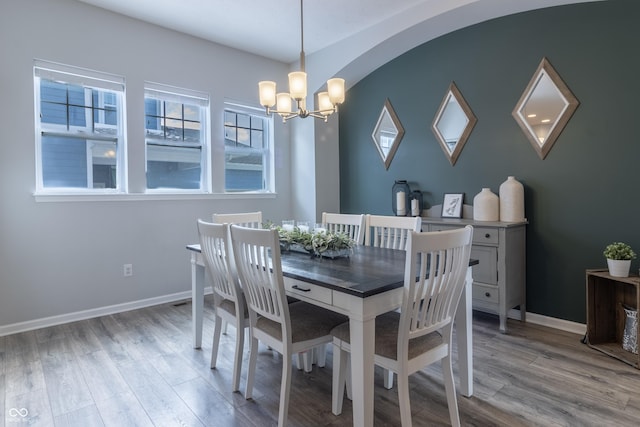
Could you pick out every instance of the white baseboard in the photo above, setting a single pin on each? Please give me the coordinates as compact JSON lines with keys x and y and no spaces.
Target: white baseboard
{"x":46,"y":322}
{"x":551,"y":322}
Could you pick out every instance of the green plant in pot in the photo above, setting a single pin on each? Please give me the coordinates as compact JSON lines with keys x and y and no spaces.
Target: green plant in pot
{"x":619,"y":256}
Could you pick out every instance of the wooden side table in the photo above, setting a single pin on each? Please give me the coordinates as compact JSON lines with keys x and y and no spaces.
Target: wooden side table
{"x":605,"y":315}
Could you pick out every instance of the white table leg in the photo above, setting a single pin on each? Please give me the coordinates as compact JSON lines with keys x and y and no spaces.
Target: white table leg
{"x":362,"y":368}
{"x":197,"y":299}
{"x":464,"y":333}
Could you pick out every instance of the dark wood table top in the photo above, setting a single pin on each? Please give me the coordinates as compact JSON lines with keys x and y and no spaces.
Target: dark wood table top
{"x":365,"y":272}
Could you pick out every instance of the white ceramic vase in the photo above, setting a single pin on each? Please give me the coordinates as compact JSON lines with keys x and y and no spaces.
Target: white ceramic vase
{"x":486,"y":206}
{"x":511,"y":200}
{"x":619,"y":267}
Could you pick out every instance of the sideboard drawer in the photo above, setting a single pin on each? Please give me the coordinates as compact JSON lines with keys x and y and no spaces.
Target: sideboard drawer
{"x":307,"y":290}
{"x":485,"y":236}
{"x":486,"y":293}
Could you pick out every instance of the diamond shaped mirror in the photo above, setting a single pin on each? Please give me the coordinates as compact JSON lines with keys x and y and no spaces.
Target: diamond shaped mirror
{"x":545,"y":107}
{"x":453,"y":123}
{"x":387,"y":133}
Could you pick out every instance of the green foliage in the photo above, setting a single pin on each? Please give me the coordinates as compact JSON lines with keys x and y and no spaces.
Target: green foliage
{"x":314,"y":243}
{"x":619,"y":251}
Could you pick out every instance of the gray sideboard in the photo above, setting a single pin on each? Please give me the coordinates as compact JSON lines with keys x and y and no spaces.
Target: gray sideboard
{"x":499,"y":280}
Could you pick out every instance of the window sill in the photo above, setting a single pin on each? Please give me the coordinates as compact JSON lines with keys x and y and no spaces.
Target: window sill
{"x":108,"y":197}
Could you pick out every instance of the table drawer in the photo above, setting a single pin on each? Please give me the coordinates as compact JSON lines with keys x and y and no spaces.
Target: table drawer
{"x":307,"y":290}
{"x":486,"y":293}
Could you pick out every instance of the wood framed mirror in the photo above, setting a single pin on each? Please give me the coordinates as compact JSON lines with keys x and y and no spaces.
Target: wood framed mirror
{"x":453,"y":123}
{"x":544,"y":108}
{"x":387,"y":133}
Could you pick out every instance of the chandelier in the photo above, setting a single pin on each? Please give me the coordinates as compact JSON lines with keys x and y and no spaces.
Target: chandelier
{"x":327,"y":101}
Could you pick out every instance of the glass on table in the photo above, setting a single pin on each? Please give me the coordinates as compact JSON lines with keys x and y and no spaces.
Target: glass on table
{"x":303,"y":226}
{"x":319,"y":228}
{"x":288,"y":224}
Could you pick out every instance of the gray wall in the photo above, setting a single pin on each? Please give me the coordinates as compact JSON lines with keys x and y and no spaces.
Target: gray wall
{"x":65,"y":257}
{"x":581,"y":197}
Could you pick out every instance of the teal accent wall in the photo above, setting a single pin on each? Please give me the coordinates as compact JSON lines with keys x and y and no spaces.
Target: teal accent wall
{"x":582,"y":196}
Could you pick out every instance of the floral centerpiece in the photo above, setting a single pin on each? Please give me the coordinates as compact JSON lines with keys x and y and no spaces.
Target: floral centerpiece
{"x":322,"y":243}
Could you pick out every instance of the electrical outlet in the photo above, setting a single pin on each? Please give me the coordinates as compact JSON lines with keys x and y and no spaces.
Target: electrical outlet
{"x":127,"y":269}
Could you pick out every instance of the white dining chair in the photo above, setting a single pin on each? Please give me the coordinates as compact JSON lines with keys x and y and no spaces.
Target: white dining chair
{"x":285,"y":328}
{"x":349,"y":224}
{"x":246,"y":219}
{"x":391,"y":232}
{"x":421,"y":333}
{"x":229,"y":302}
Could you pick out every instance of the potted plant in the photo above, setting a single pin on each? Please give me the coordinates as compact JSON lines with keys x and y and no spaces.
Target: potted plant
{"x":619,"y":256}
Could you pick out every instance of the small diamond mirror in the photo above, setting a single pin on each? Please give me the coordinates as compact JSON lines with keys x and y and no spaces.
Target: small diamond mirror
{"x":545,"y":107}
{"x":453,"y":123}
{"x":387,"y":133}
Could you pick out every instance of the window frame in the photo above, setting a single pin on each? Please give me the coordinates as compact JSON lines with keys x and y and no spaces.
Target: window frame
{"x":87,"y":79}
{"x":268,"y":153}
{"x":166,"y":93}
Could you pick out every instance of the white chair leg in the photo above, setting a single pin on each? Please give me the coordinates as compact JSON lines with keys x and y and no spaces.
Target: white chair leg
{"x":216,"y":341}
{"x":450,"y":388}
{"x":388,"y":379}
{"x":224,"y":327}
{"x":299,"y":362}
{"x":285,"y":385}
{"x":307,"y":359}
{"x":403,"y":400}
{"x":321,"y":355}
{"x":253,"y":358}
{"x":348,"y":376}
{"x":237,"y":363}
{"x":340,"y":363}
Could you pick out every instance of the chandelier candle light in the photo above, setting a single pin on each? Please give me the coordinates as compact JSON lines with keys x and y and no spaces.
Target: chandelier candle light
{"x":327,"y":101}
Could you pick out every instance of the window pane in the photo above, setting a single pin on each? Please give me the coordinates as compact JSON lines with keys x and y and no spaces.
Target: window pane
{"x":244,"y":171}
{"x":173,"y":167}
{"x":53,"y":92}
{"x":191,"y":131}
{"x":244,"y":121}
{"x":77,"y":117}
{"x":229,"y":118}
{"x":64,"y":162}
{"x":256,"y":123}
{"x":154,"y":126}
{"x":173,"y":110}
{"x":173,"y":129}
{"x":53,"y":113}
{"x":256,"y":138}
{"x":153,"y":107}
{"x":244,"y":137}
{"x":191,"y":112}
{"x":230,"y":135}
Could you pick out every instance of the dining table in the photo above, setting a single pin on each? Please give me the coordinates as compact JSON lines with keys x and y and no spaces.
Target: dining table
{"x":365,"y":283}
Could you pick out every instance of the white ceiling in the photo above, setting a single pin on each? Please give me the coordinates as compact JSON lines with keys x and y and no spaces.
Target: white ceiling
{"x":266,"y":27}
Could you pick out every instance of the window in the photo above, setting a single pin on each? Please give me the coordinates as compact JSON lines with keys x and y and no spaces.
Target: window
{"x":248,"y":139}
{"x":79,"y":129}
{"x":175,"y":130}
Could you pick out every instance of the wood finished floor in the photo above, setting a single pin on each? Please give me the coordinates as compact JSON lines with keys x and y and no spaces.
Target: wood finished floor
{"x":138,"y":369}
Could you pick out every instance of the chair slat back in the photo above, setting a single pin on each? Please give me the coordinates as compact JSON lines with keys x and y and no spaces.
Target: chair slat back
{"x":435,"y":274}
{"x":350,"y":224}
{"x":214,"y":243}
{"x":390,"y":232}
{"x":257,"y":256}
{"x":245,"y":219}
